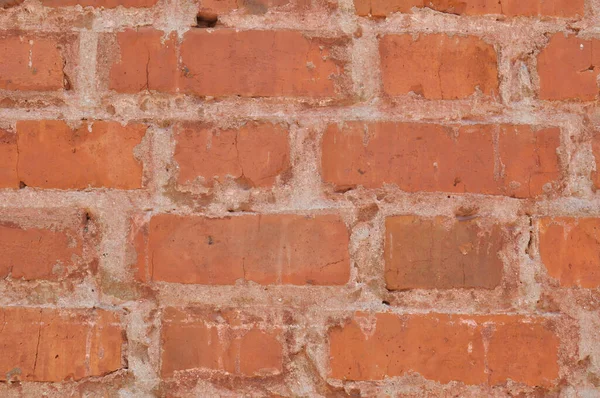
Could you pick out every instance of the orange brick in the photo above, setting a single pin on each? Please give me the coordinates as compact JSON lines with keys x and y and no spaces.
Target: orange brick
{"x":441,"y":253}
{"x":148,"y":61}
{"x":554,"y":8}
{"x":445,"y":348}
{"x":45,"y":344}
{"x":97,"y":154}
{"x":568,"y":68}
{"x":214,"y":341}
{"x":30,"y":63}
{"x":101,"y":3}
{"x":258,"y":63}
{"x":256,"y":152}
{"x":8,"y":160}
{"x":438,"y":66}
{"x":427,"y":157}
{"x":521,"y":349}
{"x":267,"y":249}
{"x":569,"y":249}
{"x":37,"y":253}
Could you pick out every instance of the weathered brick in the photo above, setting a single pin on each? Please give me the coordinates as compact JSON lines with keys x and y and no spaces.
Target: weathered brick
{"x":218,"y":340}
{"x":100,"y":3}
{"x":437,"y":66}
{"x":445,"y":348}
{"x":569,"y":249}
{"x":568,"y":68}
{"x":267,"y":249}
{"x":244,"y":63}
{"x":30,"y":63}
{"x":258,"y":64}
{"x":97,"y":154}
{"x":8,"y":160}
{"x":51,"y":250}
{"x":554,"y":8}
{"x":45,"y":344}
{"x":441,"y":253}
{"x":427,"y":157}
{"x":256,"y":153}
{"x":148,"y":61}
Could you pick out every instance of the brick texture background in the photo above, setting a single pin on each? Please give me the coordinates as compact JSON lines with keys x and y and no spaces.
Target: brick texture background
{"x":299,"y":198}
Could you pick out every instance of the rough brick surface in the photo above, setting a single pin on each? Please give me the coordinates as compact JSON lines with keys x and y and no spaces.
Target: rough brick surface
{"x":299,"y":198}
{"x":569,"y":249}
{"x":441,"y":253}
{"x":248,"y":63}
{"x":267,"y":249}
{"x":427,"y":157}
{"x":568,"y":68}
{"x":438,"y":66}
{"x":256,"y":153}
{"x":30,"y":62}
{"x":441,"y":347}
{"x":555,"y":8}
{"x":98,"y":154}
{"x":155,"y":70}
{"x":43,"y":344}
{"x":258,"y":63}
{"x":220,"y":341}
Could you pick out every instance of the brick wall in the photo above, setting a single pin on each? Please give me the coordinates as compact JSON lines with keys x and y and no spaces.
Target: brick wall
{"x":299,"y":198}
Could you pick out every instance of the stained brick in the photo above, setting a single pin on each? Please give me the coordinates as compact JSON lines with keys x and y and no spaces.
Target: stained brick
{"x":441,"y":253}
{"x":45,"y":344}
{"x":428,"y":157}
{"x":438,"y":66}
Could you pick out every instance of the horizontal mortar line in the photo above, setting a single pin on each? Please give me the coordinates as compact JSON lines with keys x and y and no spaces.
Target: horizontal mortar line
{"x":270,"y":111}
{"x":391,"y":27}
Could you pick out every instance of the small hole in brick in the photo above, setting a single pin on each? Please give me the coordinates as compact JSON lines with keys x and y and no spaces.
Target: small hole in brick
{"x":385,"y":302}
{"x":206,"y":20}
{"x":22,"y":185}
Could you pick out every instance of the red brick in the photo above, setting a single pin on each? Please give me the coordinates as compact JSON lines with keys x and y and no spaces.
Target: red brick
{"x":445,"y":348}
{"x":521,"y":349}
{"x":441,"y":253}
{"x":148,"y":61}
{"x":267,"y":249}
{"x":427,"y":157}
{"x":258,"y":63}
{"x":569,"y":249}
{"x":97,"y":154}
{"x":568,"y":68}
{"x":555,"y":8}
{"x":45,"y":344}
{"x":49,"y":252}
{"x":256,"y":152}
{"x":100,"y":3}
{"x":30,"y":63}
{"x":438,"y":66}
{"x":8,"y":160}
{"x":212,"y":340}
